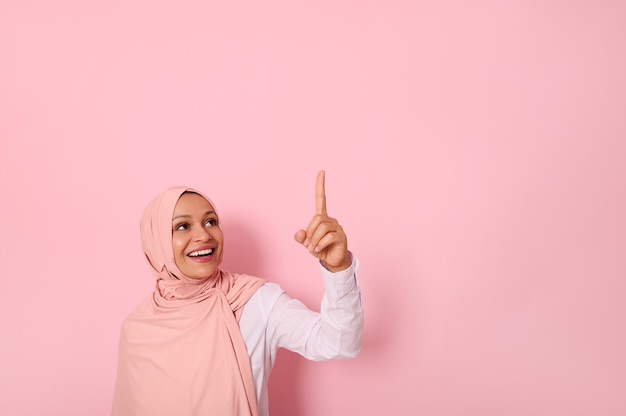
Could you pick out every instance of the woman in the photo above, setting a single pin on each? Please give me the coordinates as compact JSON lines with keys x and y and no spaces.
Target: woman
{"x":205,"y":341}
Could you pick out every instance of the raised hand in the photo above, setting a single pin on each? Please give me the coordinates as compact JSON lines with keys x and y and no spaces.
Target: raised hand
{"x":324,"y":237}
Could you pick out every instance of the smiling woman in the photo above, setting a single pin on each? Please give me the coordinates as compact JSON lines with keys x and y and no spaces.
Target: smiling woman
{"x":205,"y":341}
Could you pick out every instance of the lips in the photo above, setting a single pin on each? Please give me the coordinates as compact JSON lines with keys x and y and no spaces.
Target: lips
{"x":204,"y":254}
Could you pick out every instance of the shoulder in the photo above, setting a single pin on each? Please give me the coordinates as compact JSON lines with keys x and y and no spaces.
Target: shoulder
{"x":262,"y":303}
{"x":267,"y":294}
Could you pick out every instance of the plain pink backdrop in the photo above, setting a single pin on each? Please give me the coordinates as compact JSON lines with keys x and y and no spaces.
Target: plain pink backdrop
{"x":475,"y":155}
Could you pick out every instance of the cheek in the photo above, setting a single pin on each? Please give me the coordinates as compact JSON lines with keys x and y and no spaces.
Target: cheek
{"x":177,"y":245}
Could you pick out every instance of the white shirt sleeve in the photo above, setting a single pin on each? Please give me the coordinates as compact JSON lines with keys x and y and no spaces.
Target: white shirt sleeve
{"x":272,"y":320}
{"x":333,"y":333}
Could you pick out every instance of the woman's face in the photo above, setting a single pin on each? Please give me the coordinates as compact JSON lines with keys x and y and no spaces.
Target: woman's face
{"x":197,"y":238}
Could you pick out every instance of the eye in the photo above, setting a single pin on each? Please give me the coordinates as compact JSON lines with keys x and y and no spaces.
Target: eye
{"x":181,"y":227}
{"x":211,"y":222}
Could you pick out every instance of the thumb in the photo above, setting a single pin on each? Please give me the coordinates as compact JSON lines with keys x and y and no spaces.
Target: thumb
{"x":300,"y":236}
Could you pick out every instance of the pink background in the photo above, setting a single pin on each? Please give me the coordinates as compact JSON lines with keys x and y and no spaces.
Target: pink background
{"x":474,"y":151}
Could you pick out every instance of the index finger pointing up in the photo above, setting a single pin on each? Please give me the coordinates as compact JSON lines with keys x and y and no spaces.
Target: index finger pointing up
{"x":320,"y":193}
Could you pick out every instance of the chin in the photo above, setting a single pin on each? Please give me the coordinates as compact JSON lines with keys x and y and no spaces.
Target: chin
{"x":204,"y":274}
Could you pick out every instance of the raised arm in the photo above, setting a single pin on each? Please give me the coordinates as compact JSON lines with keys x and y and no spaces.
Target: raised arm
{"x":335,"y":332}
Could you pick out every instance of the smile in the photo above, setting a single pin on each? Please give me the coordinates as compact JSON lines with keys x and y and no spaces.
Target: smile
{"x":201,"y":253}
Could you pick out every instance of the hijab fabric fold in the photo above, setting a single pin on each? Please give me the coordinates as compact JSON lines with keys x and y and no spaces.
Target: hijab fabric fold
{"x":181,"y":352}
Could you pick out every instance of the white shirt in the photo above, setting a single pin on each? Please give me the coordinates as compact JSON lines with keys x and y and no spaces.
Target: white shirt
{"x":272,"y":320}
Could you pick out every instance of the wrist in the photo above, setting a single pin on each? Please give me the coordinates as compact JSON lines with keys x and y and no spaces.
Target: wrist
{"x":343,"y":265}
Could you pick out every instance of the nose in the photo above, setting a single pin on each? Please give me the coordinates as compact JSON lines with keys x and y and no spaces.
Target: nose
{"x":201,"y":234}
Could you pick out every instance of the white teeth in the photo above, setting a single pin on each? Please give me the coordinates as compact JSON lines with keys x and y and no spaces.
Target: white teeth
{"x":201,"y":253}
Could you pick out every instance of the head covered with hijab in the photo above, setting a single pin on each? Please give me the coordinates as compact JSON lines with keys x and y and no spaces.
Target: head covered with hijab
{"x":156,"y":241}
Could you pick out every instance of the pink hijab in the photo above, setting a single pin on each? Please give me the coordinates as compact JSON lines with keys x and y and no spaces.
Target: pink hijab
{"x":181,"y":351}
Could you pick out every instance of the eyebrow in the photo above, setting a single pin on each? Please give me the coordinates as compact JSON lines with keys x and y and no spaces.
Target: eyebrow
{"x":189,"y":216}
